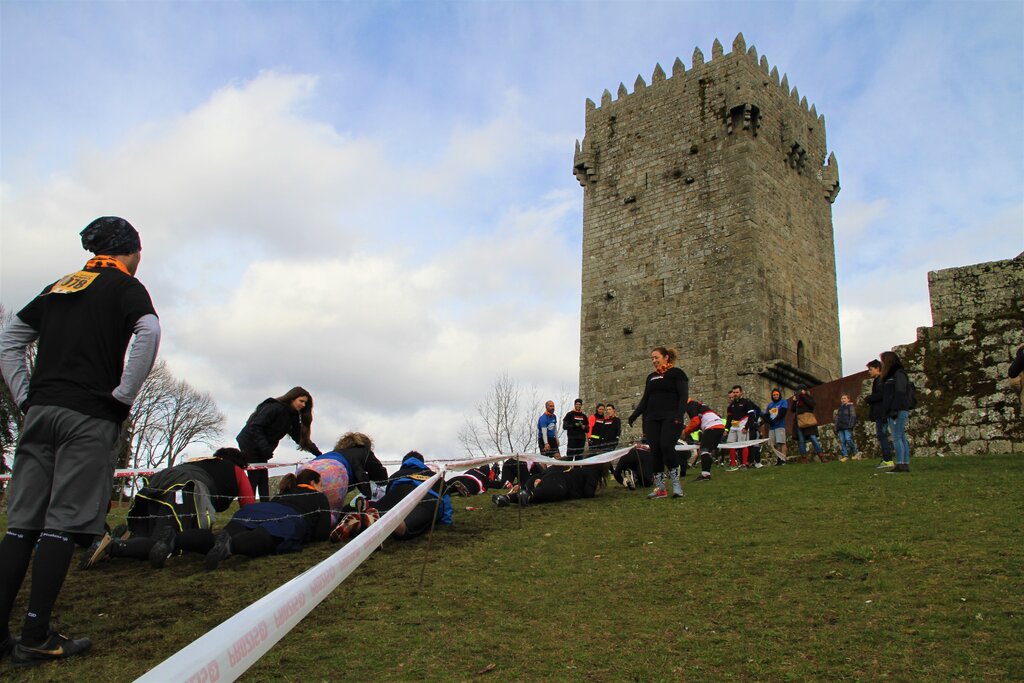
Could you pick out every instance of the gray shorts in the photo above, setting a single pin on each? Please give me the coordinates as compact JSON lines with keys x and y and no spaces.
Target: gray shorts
{"x":736,"y":435}
{"x":778,"y":435}
{"x":63,"y":471}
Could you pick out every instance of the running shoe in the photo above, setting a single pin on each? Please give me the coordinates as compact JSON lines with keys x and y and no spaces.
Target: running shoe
{"x":501,"y":500}
{"x":758,"y":465}
{"x":346,"y":528}
{"x":886,"y":464}
{"x":658,"y":493}
{"x":843,"y":459}
{"x":677,"y":490}
{"x":163,"y":548}
{"x":220,"y":551}
{"x":733,"y":469}
{"x":703,"y":477}
{"x":629,"y":480}
{"x":460,"y":489}
{"x":55,"y":647}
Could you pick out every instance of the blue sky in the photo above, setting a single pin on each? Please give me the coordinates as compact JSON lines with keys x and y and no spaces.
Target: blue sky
{"x":375,"y":200}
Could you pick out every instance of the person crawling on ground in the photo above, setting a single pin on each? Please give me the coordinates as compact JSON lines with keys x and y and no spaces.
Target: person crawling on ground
{"x":635,"y":468}
{"x":359,"y":470}
{"x":409,"y":476}
{"x":711,"y":431}
{"x":185,"y":496}
{"x":299,"y":514}
{"x":473,"y":482}
{"x":515,"y":473}
{"x":556,"y":484}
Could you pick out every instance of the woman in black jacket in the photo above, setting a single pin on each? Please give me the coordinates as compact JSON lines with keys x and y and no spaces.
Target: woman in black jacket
{"x":288,"y":415}
{"x":896,"y":406}
{"x":663,"y":406}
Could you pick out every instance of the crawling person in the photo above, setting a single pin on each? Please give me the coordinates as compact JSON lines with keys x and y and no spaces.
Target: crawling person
{"x":185,"y":496}
{"x":473,"y":482}
{"x":635,"y":468}
{"x":299,"y":514}
{"x":556,"y":484}
{"x":409,"y":476}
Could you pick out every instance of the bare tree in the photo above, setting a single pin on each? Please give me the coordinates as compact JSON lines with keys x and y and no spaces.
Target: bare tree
{"x":168,"y":416}
{"x":505,"y":421}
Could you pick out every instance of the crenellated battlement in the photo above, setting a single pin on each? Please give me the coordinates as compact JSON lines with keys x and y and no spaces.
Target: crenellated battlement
{"x":697,"y":70}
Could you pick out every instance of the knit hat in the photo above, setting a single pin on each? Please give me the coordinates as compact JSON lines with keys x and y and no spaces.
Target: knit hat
{"x":111,"y":235}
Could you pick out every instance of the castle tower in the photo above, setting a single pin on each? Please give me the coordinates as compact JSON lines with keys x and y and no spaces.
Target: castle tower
{"x":707,"y":226}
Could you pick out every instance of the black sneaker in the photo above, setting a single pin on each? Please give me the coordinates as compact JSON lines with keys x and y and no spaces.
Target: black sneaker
{"x":703,"y":477}
{"x":523,"y":498}
{"x":460,"y":489}
{"x":55,"y":647}
{"x":163,"y":548}
{"x":500,"y":499}
{"x":220,"y":551}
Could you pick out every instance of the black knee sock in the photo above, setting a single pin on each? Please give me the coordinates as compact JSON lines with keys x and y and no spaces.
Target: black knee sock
{"x":15,"y":555}
{"x":53,"y":557}
{"x":705,"y":462}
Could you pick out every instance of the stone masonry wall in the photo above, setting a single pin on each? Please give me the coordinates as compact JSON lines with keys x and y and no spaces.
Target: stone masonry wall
{"x":965,"y":404}
{"x":707,"y":227}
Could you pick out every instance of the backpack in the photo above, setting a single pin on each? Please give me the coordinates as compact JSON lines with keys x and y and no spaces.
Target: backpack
{"x":911,"y":395}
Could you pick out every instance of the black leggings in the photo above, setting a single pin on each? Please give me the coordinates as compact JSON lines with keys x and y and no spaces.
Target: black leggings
{"x":709,"y":440}
{"x":552,"y":488}
{"x":640,"y":462}
{"x":662,"y":436}
{"x":260,"y":481}
{"x":244,"y":541}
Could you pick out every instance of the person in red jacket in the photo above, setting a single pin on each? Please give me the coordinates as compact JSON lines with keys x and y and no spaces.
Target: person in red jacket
{"x":711,"y":431}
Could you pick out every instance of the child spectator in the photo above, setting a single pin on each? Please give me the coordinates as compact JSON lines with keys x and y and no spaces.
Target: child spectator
{"x":845,"y":419}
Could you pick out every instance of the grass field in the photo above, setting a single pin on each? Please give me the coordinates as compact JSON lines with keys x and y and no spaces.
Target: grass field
{"x":809,"y":572}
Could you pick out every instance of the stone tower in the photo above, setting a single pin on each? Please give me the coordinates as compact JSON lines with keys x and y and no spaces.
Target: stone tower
{"x":707,"y":226}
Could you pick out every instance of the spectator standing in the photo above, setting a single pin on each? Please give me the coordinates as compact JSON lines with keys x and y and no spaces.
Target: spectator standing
{"x":595,"y":433}
{"x":547,"y":431}
{"x":876,"y":413}
{"x":612,"y":428}
{"x":75,"y":399}
{"x":663,"y":406}
{"x":740,"y":413}
{"x":806,"y":427}
{"x":575,"y":425}
{"x":896,"y":402}
{"x":274,"y":418}
{"x":845,"y":419}
{"x":775,"y":413}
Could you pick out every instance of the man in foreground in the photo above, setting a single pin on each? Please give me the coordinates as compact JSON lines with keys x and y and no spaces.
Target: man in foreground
{"x":80,"y":391}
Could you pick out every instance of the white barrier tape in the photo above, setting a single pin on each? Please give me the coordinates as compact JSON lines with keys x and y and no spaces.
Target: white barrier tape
{"x":723,"y":446}
{"x":228,"y":650}
{"x":469,"y":464}
{"x":598,"y":459}
{"x":741,"y":444}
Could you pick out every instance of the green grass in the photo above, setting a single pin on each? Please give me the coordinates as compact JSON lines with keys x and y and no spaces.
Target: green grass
{"x":809,"y":572}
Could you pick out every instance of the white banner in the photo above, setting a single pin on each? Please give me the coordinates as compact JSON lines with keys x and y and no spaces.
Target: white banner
{"x":224,"y":653}
{"x":599,"y":459}
{"x":741,"y":444}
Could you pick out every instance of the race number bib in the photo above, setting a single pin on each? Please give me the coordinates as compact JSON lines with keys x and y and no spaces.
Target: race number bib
{"x":75,"y":282}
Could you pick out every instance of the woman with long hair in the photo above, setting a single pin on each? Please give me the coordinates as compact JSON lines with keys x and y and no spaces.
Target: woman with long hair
{"x":896,"y":406}
{"x":663,"y":407}
{"x":274,"y":418}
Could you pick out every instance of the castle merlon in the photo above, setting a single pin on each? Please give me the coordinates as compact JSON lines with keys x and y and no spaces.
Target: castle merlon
{"x":739,"y":51}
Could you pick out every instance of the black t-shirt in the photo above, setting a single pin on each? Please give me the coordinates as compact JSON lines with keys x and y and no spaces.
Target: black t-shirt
{"x":85,"y":324}
{"x":665,"y":396}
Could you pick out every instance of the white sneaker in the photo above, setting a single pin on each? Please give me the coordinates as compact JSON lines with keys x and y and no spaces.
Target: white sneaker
{"x":758,"y":465}
{"x":628,"y":480}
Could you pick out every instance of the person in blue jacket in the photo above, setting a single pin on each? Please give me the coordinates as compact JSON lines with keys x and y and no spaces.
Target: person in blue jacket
{"x":409,"y":476}
{"x":547,"y":431}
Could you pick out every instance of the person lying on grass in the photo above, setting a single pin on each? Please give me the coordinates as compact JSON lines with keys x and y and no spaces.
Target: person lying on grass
{"x":556,"y":484}
{"x":473,"y":482}
{"x":635,"y":468}
{"x":409,"y":476}
{"x":185,"y":496}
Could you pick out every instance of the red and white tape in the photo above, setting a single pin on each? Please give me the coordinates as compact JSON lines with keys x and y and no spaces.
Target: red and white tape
{"x":227,"y":651}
